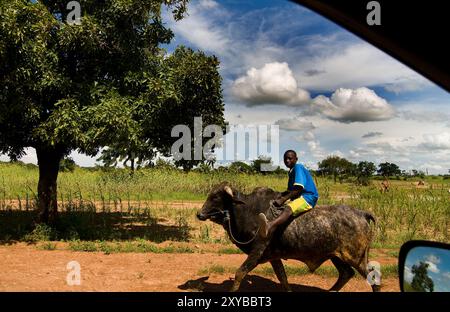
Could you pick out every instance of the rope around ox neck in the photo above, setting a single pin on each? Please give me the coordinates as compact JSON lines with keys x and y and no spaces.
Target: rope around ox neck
{"x":227,"y":216}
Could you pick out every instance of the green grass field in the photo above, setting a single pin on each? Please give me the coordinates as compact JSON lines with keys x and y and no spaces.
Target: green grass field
{"x":114,"y":205}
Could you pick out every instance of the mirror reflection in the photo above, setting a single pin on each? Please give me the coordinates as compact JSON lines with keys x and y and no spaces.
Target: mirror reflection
{"x":427,"y":269}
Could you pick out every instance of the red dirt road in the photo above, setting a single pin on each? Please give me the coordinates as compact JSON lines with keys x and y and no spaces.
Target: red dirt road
{"x":25,"y":268}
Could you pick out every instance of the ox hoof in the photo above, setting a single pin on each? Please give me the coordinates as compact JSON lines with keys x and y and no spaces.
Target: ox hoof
{"x":263,"y":226}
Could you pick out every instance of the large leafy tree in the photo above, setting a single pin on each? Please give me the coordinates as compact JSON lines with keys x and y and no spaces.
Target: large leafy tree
{"x":194,"y":83}
{"x":83,"y":87}
{"x":387,"y":169}
{"x":336,"y":166}
{"x":364,"y":170}
{"x":421,"y":281}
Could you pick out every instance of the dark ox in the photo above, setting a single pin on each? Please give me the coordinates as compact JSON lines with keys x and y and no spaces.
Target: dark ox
{"x":339,"y":233}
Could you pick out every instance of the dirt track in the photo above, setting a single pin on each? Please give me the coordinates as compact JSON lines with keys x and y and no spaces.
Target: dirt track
{"x":25,"y":268}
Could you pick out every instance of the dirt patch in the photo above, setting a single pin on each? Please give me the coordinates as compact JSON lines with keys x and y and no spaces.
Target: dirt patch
{"x":24,"y":268}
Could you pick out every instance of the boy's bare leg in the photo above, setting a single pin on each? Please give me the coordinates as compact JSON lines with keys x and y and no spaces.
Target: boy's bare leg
{"x":268,"y":227}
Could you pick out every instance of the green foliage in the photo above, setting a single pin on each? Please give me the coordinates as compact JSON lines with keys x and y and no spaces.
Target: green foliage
{"x":103,"y":83}
{"x":229,"y":251}
{"x":364,"y":170}
{"x":387,"y":169}
{"x":187,"y":85}
{"x":421,"y":281}
{"x":256,"y":164}
{"x":47,"y":246}
{"x":41,"y":232}
{"x":163,"y":164}
{"x":337,"y":167}
{"x":267,"y":161}
{"x":69,"y":85}
{"x":126,"y":209}
{"x":67,"y":164}
{"x":239,"y":166}
{"x":417,"y":173}
{"x":138,"y":245}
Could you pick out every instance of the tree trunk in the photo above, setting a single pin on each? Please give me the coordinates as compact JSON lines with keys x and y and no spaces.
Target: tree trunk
{"x":48,"y":162}
{"x":132,"y":165}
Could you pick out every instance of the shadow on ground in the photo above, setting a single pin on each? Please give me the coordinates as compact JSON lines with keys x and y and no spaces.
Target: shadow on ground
{"x":251,"y":283}
{"x":19,"y":225}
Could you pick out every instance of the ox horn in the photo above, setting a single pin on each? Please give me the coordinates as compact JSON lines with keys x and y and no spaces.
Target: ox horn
{"x":228,"y":190}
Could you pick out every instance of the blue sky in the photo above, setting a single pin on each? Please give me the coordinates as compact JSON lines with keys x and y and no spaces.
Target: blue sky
{"x":438,"y":266}
{"x":329,"y":91}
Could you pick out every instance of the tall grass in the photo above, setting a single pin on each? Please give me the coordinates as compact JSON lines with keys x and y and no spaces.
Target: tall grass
{"x":112,"y":204}
{"x":118,"y":187}
{"x":405,"y":214}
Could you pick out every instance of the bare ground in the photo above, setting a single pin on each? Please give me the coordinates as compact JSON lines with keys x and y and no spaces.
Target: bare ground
{"x":25,"y":268}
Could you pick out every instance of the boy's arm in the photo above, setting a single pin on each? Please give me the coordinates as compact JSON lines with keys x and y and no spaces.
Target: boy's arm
{"x":289,"y":195}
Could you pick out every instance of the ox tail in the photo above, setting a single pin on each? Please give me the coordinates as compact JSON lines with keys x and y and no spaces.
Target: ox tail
{"x":369,"y":217}
{"x":365,"y":257}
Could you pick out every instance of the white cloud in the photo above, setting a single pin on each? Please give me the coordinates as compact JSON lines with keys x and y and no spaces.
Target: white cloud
{"x":295,"y":124}
{"x":309,"y":136}
{"x":433,"y":258}
{"x":29,"y":157}
{"x":423,"y":115}
{"x":274,"y":83}
{"x":352,"y":105}
{"x":322,"y":62}
{"x":408,"y":276}
{"x":433,"y":167}
{"x":406,"y":84}
{"x":198,"y":29}
{"x":316,"y":150}
{"x":438,"y":141}
{"x":80,"y":159}
{"x":432,"y":267}
{"x":306,"y":137}
{"x":351,"y":65}
{"x":337,"y":153}
{"x":372,"y":134}
{"x":208,"y":4}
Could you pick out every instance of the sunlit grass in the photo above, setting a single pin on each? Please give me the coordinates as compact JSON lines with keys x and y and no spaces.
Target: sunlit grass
{"x":111,"y":205}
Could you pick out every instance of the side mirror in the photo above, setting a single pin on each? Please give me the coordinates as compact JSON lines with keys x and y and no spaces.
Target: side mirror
{"x":424,"y":266}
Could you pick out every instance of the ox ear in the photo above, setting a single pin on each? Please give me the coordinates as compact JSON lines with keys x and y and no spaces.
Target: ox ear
{"x":228,"y":190}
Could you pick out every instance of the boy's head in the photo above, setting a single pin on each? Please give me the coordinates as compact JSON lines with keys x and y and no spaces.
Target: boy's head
{"x":290,"y":158}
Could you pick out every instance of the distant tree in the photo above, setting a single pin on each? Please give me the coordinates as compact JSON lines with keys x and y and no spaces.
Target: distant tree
{"x":280,"y":170}
{"x":418,"y":173}
{"x":337,"y":167}
{"x":364,"y":170}
{"x":67,"y":164}
{"x":387,"y":169}
{"x":421,"y":281}
{"x":256,"y":164}
{"x":203,"y":168}
{"x":239,"y":166}
{"x":161,"y":163}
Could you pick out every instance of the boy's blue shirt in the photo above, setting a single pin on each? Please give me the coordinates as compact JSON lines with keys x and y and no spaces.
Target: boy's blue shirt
{"x":299,"y":175}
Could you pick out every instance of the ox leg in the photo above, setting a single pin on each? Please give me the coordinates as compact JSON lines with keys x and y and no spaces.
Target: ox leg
{"x":345,"y":273}
{"x":278,"y":268}
{"x":249,"y":264}
{"x":243,"y":270}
